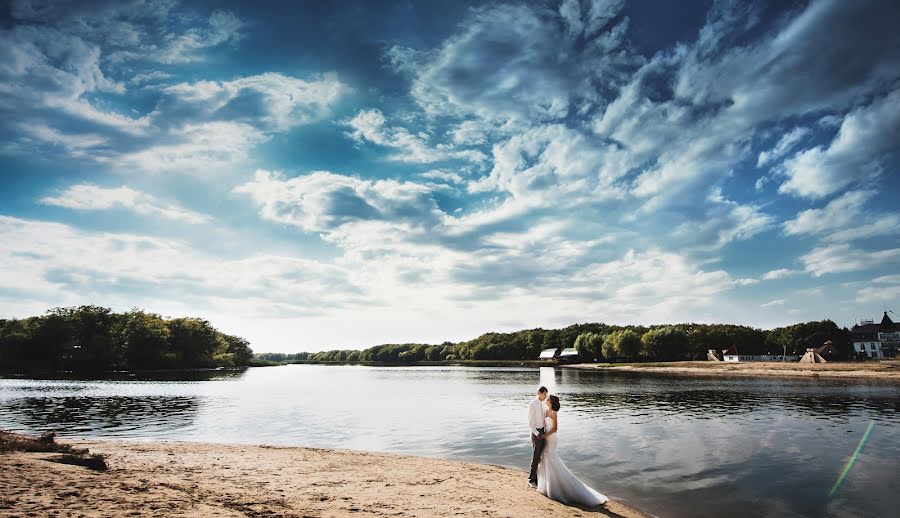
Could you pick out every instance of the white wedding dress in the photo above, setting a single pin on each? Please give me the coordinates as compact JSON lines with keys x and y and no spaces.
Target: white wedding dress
{"x":558,"y":483}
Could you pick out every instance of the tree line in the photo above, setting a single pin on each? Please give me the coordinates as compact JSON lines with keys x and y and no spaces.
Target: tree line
{"x":601,"y":342}
{"x":93,"y":338}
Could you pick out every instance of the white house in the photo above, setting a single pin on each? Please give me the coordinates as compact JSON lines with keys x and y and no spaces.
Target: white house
{"x":547,"y":354}
{"x":876,"y":340}
{"x":568,"y":352}
{"x":734,"y":357}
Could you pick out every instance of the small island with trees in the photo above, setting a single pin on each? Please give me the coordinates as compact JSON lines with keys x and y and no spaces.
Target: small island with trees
{"x":96,"y":339}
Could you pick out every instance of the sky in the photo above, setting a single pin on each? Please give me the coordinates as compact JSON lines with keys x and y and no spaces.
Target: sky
{"x":317,"y":175}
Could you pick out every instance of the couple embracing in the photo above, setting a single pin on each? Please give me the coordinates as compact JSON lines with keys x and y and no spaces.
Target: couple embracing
{"x":548,"y":473}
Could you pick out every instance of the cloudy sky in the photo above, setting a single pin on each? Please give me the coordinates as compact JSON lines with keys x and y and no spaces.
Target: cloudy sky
{"x":316,"y":176}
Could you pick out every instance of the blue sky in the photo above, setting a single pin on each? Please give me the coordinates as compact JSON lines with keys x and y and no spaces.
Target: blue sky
{"x":313,"y":176}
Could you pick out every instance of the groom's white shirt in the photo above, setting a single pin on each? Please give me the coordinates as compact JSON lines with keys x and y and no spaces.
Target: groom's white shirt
{"x":536,"y":414}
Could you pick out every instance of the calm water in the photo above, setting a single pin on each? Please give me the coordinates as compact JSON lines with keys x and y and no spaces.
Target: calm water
{"x":673,"y":446}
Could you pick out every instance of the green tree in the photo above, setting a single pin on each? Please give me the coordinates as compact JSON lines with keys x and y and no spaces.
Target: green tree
{"x":589,"y":345}
{"x":621,"y":344}
{"x":194,"y":341}
{"x":534,"y":343}
{"x":797,"y":338}
{"x":145,"y":339}
{"x":665,"y":343}
{"x":239,"y":349}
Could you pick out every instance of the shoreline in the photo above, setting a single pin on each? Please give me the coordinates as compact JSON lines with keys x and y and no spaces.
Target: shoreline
{"x":162,"y":478}
{"x":885,"y":371}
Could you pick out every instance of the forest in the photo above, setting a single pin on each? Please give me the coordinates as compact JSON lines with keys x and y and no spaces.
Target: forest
{"x":600,"y":342}
{"x":93,"y":338}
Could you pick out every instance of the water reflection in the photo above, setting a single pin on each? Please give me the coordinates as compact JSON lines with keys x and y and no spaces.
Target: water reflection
{"x":677,"y":446}
{"x":117,"y":416}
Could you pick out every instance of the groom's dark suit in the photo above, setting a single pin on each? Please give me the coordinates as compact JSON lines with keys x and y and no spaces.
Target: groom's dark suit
{"x":538,"y":445}
{"x":536,"y":411}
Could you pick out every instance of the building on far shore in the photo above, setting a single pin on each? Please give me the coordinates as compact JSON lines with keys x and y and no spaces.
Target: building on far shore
{"x":548,"y":354}
{"x":735,"y":357}
{"x":873,"y":340}
{"x":567,"y":355}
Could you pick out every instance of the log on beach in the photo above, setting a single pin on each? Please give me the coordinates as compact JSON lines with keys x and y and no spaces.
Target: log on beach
{"x":198,"y":479}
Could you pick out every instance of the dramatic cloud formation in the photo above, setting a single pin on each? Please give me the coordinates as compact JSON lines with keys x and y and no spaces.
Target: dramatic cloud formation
{"x":446,"y":172}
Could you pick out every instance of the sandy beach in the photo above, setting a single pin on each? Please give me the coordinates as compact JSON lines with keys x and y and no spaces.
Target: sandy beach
{"x":877,"y":371}
{"x":194,"y":479}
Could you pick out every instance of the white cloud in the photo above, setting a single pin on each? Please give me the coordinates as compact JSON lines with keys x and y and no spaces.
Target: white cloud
{"x":772,"y":303}
{"x":370,"y":125}
{"x":845,"y":219}
{"x":785,"y":144}
{"x":442,"y":175}
{"x":323,"y":201}
{"x":57,"y":68}
{"x":149,"y":77}
{"x":93,"y":197}
{"x":725,"y":221}
{"x":854,"y":155}
{"x":270,"y":102}
{"x":397,"y":229}
{"x":549,"y":165}
{"x":57,"y":57}
{"x":222,"y":27}
{"x":658,"y":279}
{"x":838,"y":214}
{"x":204,"y":148}
{"x":469,"y":133}
{"x":884,"y":289}
{"x":841,"y":258}
{"x":79,"y":145}
{"x":45,"y":71}
{"x":814,"y":62}
{"x":59,"y":264}
{"x":206,"y":126}
{"x":681,"y":137}
{"x":780,"y":273}
{"x":520,"y":62}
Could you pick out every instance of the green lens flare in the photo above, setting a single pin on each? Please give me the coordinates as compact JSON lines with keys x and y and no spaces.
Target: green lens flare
{"x":862,"y":442}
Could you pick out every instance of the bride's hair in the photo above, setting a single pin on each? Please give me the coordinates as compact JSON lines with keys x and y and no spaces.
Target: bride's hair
{"x":554,"y":403}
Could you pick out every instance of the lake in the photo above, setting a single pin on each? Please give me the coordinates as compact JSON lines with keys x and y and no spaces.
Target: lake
{"x":670,"y":445}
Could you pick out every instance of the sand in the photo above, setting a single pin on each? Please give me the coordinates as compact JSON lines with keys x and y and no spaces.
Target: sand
{"x":888,"y":371}
{"x":194,"y":479}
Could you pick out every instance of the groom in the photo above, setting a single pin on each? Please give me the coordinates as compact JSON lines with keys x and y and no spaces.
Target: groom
{"x":536,"y":413}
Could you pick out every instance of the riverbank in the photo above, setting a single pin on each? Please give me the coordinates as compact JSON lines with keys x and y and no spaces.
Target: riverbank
{"x":196,"y":479}
{"x":442,"y":363}
{"x":888,"y":370}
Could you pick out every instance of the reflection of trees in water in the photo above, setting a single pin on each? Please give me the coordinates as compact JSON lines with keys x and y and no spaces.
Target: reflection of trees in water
{"x":175,"y":375}
{"x":90,"y":414}
{"x":594,"y":393}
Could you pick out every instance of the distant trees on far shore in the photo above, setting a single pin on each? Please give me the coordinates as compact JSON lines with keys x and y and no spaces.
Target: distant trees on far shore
{"x":602,"y":342}
{"x":93,"y":338}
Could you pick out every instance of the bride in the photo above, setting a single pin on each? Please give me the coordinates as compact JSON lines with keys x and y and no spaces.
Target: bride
{"x":554,"y":478}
